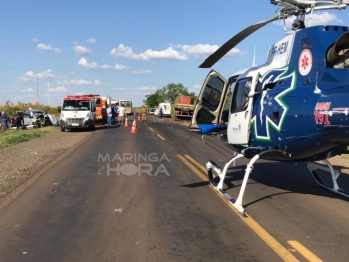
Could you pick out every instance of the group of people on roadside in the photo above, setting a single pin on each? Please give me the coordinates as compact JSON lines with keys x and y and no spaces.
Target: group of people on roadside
{"x":15,"y":121}
{"x":115,"y":114}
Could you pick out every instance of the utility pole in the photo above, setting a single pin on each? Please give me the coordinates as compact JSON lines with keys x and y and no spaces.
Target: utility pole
{"x":37,"y":88}
{"x":48,"y":93}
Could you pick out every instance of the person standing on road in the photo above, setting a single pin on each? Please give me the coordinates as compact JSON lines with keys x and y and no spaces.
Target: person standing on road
{"x":109,"y":114}
{"x":144,"y":114}
{"x":4,"y":120}
{"x":160,"y":112}
{"x":115,"y":114}
{"x":112,"y":115}
{"x":121,"y":112}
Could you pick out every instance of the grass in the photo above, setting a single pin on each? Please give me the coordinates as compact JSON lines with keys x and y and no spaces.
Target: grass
{"x":346,"y":156}
{"x":13,"y":137}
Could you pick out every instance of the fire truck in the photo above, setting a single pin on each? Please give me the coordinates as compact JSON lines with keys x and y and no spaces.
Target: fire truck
{"x":78,"y":112}
{"x":101,"y":108}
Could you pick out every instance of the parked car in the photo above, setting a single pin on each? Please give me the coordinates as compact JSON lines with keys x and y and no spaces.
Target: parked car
{"x":151,"y":111}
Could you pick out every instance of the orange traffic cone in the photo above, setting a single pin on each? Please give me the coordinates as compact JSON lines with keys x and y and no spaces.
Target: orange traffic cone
{"x":139,"y":117}
{"x":134,"y":128}
{"x":126,"y":122}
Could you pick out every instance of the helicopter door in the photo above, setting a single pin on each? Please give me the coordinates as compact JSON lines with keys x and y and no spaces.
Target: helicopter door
{"x":241,"y":110}
{"x":210,"y":101}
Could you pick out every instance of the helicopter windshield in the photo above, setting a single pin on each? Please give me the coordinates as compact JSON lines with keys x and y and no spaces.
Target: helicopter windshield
{"x":241,"y":91}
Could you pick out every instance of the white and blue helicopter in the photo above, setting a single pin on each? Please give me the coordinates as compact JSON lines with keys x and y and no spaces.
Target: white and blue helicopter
{"x":293,"y":108}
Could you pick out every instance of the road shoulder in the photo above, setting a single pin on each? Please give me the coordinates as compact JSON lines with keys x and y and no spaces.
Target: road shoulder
{"x":23,"y":163}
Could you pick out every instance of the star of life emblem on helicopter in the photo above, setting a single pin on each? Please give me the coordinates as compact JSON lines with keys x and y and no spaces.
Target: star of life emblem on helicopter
{"x":262,"y":123}
{"x":305,"y":62}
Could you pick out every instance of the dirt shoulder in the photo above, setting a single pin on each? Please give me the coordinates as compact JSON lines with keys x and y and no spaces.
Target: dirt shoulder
{"x":20,"y":162}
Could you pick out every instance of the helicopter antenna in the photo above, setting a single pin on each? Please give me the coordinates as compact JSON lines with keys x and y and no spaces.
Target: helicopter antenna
{"x":311,"y":15}
{"x":317,"y":90}
{"x":254,"y":58}
{"x":285,"y":29}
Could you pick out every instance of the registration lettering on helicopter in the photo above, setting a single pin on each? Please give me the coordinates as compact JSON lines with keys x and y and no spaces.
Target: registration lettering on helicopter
{"x":320,"y":114}
{"x":278,"y":49}
{"x":323,"y":106}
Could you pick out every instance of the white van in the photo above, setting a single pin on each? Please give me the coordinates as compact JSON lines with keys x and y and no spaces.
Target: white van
{"x":166,"y":109}
{"x":77,"y":112}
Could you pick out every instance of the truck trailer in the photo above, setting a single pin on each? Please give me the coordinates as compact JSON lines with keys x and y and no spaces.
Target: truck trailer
{"x":183,"y":107}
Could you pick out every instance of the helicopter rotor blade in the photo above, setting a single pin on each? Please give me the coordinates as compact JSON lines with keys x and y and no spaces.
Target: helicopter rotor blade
{"x":230,"y":44}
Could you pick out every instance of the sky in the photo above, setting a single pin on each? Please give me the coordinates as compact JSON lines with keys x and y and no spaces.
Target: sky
{"x":127,"y":48}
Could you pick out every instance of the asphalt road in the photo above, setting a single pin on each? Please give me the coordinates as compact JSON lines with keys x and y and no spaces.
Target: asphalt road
{"x":143,"y":197}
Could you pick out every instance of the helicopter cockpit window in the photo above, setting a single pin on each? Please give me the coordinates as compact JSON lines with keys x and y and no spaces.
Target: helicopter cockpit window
{"x":240,"y":96}
{"x":212,"y":93}
{"x":306,"y":42}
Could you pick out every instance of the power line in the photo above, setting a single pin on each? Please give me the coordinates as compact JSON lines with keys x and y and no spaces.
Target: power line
{"x":14,"y":67}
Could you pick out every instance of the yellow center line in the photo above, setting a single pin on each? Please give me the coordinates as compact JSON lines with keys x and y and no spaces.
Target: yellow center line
{"x":197,"y":164}
{"x":304,"y":251}
{"x":261,"y":232}
{"x":160,"y":137}
{"x":150,"y":129}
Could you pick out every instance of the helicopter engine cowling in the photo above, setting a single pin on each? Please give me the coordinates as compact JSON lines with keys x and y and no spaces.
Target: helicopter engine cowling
{"x":338,"y":51}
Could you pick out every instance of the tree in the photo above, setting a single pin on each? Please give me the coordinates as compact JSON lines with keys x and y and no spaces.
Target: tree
{"x":168,"y":93}
{"x":193,"y":97}
{"x":153,"y":100}
{"x":172,"y":91}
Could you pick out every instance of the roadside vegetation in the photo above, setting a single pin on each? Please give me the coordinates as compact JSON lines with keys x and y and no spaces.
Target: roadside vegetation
{"x":136,"y":109}
{"x":13,"y":137}
{"x":168,"y":94}
{"x":10,"y":108}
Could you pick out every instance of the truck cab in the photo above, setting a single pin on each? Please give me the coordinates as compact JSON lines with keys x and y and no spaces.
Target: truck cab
{"x":78,"y":112}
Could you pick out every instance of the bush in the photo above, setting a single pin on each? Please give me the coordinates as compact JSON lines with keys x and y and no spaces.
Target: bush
{"x":10,"y":108}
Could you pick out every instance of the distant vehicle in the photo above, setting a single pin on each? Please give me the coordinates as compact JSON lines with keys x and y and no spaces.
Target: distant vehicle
{"x":151,"y":111}
{"x":156,"y":112}
{"x":166,"y":109}
{"x":128,"y":106}
{"x":183,"y":107}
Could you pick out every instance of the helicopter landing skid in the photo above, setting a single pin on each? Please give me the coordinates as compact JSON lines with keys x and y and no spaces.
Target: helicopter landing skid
{"x":334,"y":175}
{"x":237,"y":204}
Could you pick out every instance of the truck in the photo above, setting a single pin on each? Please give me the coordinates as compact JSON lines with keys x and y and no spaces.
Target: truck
{"x":128,"y":106}
{"x":77,"y":112}
{"x":107,"y":100}
{"x":101,"y":109}
{"x":183,"y":108}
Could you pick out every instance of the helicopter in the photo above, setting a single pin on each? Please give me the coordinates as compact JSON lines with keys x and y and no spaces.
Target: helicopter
{"x":293,"y":108}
